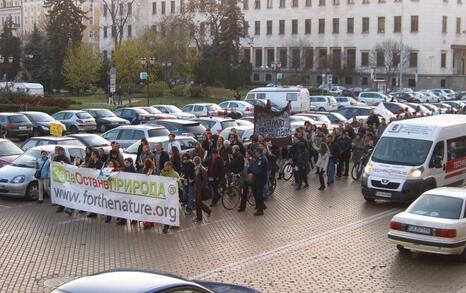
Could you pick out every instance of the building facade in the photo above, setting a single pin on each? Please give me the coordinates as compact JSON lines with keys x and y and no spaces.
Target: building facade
{"x":357,"y":41}
{"x":11,"y":9}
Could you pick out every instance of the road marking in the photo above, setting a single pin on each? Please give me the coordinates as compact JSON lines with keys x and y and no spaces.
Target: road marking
{"x":71,"y":221}
{"x":6,"y":207}
{"x":294,"y":245}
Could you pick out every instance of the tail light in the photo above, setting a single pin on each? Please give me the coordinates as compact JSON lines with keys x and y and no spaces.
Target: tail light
{"x":247,"y":109}
{"x":219,"y":130}
{"x":397,"y":226}
{"x":9,"y":126}
{"x":79,"y":121}
{"x":445,"y":233}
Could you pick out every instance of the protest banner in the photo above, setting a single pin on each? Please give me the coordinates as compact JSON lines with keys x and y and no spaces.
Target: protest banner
{"x":275,"y":126}
{"x":126,"y":195}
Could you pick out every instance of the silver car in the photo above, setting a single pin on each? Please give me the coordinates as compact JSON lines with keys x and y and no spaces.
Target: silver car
{"x":17,"y":179}
{"x":127,"y":135}
{"x":76,"y":120}
{"x":174,"y":110}
{"x":238,"y":108}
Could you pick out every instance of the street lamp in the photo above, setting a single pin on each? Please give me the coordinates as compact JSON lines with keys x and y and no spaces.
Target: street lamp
{"x":6,"y":60}
{"x":165,"y":70}
{"x":146,"y":66}
{"x":276,"y":68}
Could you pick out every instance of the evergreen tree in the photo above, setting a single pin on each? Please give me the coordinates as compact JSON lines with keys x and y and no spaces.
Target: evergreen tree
{"x":10,"y":46}
{"x":64,"y":29}
{"x":34,"y":58}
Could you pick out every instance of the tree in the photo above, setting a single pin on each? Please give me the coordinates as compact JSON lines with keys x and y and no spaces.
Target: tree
{"x":64,"y":29}
{"x":388,"y":55}
{"x":81,"y":68}
{"x":34,"y":58}
{"x":10,"y":47}
{"x":119,"y":12}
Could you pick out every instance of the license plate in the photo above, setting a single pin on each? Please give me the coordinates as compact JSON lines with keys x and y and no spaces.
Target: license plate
{"x":383,"y":194}
{"x":418,"y":230}
{"x":23,"y":127}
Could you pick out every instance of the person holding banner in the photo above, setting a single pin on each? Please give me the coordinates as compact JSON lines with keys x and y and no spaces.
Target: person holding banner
{"x":43,"y":175}
{"x":62,"y":158}
{"x":145,"y":154}
{"x":188,"y":173}
{"x":160,"y":157}
{"x":168,"y":171}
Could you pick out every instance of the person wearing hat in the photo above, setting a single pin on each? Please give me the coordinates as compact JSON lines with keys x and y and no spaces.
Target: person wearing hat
{"x":62,"y":158}
{"x":172,"y":142}
{"x":43,"y":170}
{"x":259,"y":171}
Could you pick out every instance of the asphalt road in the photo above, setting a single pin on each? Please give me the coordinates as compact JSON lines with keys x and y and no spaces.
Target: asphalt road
{"x":308,"y":241}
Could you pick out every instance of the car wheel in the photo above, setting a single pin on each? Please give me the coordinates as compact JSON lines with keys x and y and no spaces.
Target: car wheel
{"x":368,"y":199}
{"x":102,"y":128}
{"x":403,"y":250}
{"x":321,"y":109}
{"x":74,"y":129}
{"x":340,"y":107}
{"x":32,"y":192}
{"x":238,"y":116}
{"x":36,"y":132}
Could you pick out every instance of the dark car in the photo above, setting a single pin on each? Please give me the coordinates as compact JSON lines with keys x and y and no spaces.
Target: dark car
{"x":132,"y":281}
{"x":183,"y":127}
{"x":8,"y":152}
{"x":397,"y":108}
{"x":403,"y":97}
{"x":41,"y":122}
{"x":93,"y":141}
{"x":15,"y":125}
{"x":263,"y":103}
{"x":157,"y":113}
{"x":46,"y":140}
{"x":106,"y":119}
{"x":353,"y":111}
{"x":135,"y":115}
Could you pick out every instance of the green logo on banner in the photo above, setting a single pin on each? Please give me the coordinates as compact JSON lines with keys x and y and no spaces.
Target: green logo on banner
{"x":58,"y":174}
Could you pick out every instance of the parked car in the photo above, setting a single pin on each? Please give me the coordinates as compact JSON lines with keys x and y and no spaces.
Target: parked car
{"x":8,"y":152}
{"x":158,"y":114}
{"x":134,"y":281}
{"x":336,"y":89}
{"x":346,"y":101}
{"x":15,"y":125}
{"x":397,"y":108}
{"x":49,"y":140}
{"x":424,"y":110}
{"x":41,"y":122}
{"x":324,"y":103}
{"x":204,"y":110}
{"x":445,"y":94}
{"x":319,"y":120}
{"x":444,"y":108}
{"x":434,"y":223}
{"x":403,"y":97}
{"x":245,"y":122}
{"x":17,"y":179}
{"x":352,"y":111}
{"x":457,"y":105}
{"x":127,"y":135}
{"x":134,"y":115}
{"x":106,"y":119}
{"x":244,"y":132}
{"x":430,"y":96}
{"x":174,"y":110}
{"x":301,"y":119}
{"x":461,"y":95}
{"x":182,"y":127}
{"x":187,"y":145}
{"x":334,"y":117}
{"x":372,"y":98}
{"x":434,"y":109}
{"x":93,"y":141}
{"x":76,"y":120}
{"x":263,"y":103}
{"x":237,"y":109}
{"x":216,"y":124}
{"x":297,"y":95}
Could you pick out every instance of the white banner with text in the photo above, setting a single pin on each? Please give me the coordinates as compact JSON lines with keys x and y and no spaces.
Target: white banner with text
{"x":125,"y":195}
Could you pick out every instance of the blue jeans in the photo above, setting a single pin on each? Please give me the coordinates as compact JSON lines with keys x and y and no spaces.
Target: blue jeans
{"x":188,"y":196}
{"x":266,"y":187}
{"x":330,"y":171}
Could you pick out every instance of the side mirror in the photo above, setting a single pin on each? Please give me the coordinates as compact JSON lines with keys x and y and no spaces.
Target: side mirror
{"x":438,"y":162}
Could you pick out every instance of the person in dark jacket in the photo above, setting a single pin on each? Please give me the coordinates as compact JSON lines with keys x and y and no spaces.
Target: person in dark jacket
{"x":201,"y":183}
{"x":62,"y":158}
{"x":236,"y":164}
{"x":259,"y":171}
{"x":160,"y":157}
{"x":334,"y":156}
{"x":187,"y":175}
{"x":373,"y":119}
{"x":301,"y":160}
{"x":215,"y":173}
{"x":140,"y":150}
{"x":96,"y":163}
{"x":87,"y":157}
{"x":129,"y":166}
{"x":344,"y":143}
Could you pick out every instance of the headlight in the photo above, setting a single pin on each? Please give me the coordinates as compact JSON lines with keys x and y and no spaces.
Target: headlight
{"x":18,"y":179}
{"x":368,"y":168}
{"x":416,"y":173}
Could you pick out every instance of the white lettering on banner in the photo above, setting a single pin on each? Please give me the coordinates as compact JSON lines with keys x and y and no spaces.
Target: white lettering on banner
{"x":125,"y":195}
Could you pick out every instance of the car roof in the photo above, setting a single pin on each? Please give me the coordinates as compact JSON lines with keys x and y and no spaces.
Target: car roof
{"x":83,"y":135}
{"x":449,"y":191}
{"x":10,"y":113}
{"x":94,"y":109}
{"x":71,"y":111}
{"x":218,"y":119}
{"x":53,"y":138}
{"x":201,"y":104}
{"x":438,"y":120}
{"x":125,"y":281}
{"x":234,"y":101}
{"x":359,"y":107}
{"x":141,"y":126}
{"x":178,"y":121}
{"x":32,"y":112}
{"x":240,"y":128}
{"x":51,"y":147}
{"x":165,"y":138}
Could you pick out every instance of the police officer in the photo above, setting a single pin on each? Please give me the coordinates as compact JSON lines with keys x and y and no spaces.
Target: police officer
{"x":259,"y":171}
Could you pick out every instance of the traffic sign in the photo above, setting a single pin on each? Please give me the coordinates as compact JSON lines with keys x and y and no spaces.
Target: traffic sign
{"x":113,"y":79}
{"x":143,"y":75}
{"x":56,"y":129}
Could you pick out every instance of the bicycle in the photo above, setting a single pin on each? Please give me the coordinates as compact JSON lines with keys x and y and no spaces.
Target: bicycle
{"x":358,"y":168}
{"x":231,"y":196}
{"x":272,"y":185}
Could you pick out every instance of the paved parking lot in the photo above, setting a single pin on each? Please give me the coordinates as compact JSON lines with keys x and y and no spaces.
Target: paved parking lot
{"x":308,"y":241}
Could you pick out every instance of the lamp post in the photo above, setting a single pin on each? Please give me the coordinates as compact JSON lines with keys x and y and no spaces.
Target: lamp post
{"x":401,"y":46}
{"x":165,"y":68}
{"x":146,"y":66}
{"x":6,"y":61}
{"x":276,"y":68}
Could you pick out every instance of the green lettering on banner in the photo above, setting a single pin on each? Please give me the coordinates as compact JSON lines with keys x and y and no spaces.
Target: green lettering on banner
{"x":128,"y":186}
{"x":58,"y":173}
{"x":161,"y":192}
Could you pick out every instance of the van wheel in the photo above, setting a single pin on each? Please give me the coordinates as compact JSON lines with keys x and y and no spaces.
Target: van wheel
{"x":403,"y":250}
{"x":32,"y":192}
{"x":321,"y":109}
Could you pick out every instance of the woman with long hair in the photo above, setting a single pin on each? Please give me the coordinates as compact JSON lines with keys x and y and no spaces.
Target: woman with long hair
{"x":175,"y":158}
{"x":322,"y":163}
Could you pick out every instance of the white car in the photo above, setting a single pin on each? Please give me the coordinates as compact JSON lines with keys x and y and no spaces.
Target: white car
{"x":346,"y":101}
{"x":421,"y":97}
{"x":238,"y":108}
{"x":204,"y":110}
{"x":424,"y":110}
{"x":174,"y":110}
{"x":445,"y":94}
{"x":244,"y":132}
{"x":216,"y":124}
{"x":372,"y":98}
{"x":301,"y":119}
{"x":434,"y":223}
{"x":431,"y":97}
{"x":336,"y":89}
{"x":242,"y":122}
{"x":324,"y":103}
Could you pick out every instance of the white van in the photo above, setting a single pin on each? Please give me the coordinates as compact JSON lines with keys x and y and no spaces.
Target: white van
{"x":26,"y":88}
{"x":417,"y":155}
{"x":280,"y":96}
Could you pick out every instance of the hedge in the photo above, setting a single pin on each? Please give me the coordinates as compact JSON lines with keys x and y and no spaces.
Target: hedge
{"x":17,"y":108}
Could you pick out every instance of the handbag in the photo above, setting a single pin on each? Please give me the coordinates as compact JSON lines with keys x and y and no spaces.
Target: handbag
{"x":37,"y":174}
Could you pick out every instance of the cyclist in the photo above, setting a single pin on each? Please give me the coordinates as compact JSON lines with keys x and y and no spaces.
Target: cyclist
{"x":358,"y":149}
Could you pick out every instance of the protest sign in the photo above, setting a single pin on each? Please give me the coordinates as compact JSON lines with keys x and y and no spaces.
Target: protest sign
{"x":275,"y":126}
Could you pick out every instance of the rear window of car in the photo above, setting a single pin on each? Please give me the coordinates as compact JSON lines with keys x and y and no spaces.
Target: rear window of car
{"x":229,"y":123}
{"x":437,"y":206}
{"x":70,"y":142}
{"x":197,"y":128}
{"x":17,"y":119}
{"x":83,"y":115}
{"x":158,"y":132}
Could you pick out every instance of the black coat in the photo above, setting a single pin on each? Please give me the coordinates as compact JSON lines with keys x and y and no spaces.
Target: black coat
{"x":164,"y":157}
{"x":236,"y":165}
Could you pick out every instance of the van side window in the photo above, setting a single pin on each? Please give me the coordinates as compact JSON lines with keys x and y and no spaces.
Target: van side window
{"x":250,"y":97}
{"x":291,"y":96}
{"x":439,"y":152}
{"x":260,"y":96}
{"x":456,"y":148}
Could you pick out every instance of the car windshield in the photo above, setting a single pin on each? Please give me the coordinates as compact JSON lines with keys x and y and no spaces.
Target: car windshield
{"x":322,"y":118}
{"x":158,"y":132}
{"x":18,"y":119}
{"x":83,"y":115}
{"x":152,"y":110}
{"x":27,"y":160}
{"x":104,"y":113}
{"x":229,"y":123}
{"x":94,"y":140}
{"x":173,"y":109}
{"x":41,"y":117}
{"x":8,"y":148}
{"x":336,"y":118}
{"x":140,"y":111}
{"x":401,"y":151}
{"x":213,"y":107}
{"x":437,"y":206}
{"x":193,"y":128}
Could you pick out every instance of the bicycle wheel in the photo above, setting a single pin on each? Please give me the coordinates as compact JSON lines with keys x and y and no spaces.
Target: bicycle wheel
{"x":355,"y":174}
{"x":272,"y":185}
{"x":231,"y":199}
{"x":251,"y":199}
{"x":287,"y":171}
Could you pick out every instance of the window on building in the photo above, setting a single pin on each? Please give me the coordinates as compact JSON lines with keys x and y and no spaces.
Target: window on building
{"x":269,"y":3}
{"x":365,"y":25}
{"x":364,"y":80}
{"x":258,"y":57}
{"x":283,"y":54}
{"x":269,"y":27}
{"x":444,"y":24}
{"x":246,"y":28}
{"x":308,"y":3}
{"x":270,"y":56}
{"x":247,"y":54}
{"x":380,"y":60}
{"x":245,"y":4}
{"x":413,"y":59}
{"x":130,"y":8}
{"x":257,"y":27}
{"x":294,"y":3}
{"x":321,"y":25}
{"x":321,"y":2}
{"x":443,"y":60}
{"x":154,"y":8}
{"x":412,"y":83}
{"x":381,"y":24}
{"x":308,"y":58}
{"x":364,"y":59}
{"x":130,"y":31}
{"x":163,"y":7}
{"x":105,"y":10}
{"x":351,"y":58}
{"x":350,"y":25}
{"x":294,"y":26}
{"x":105,"y":32}
{"x":414,"y":24}
{"x":296,"y":58}
{"x":172,"y":7}
{"x":281,"y":27}
{"x":336,"y":25}
{"x":458,"y":25}
{"x":257,"y":4}
{"x":282,"y":4}
{"x":397,"y":24}
{"x":336,"y":59}
{"x":307,"y":26}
